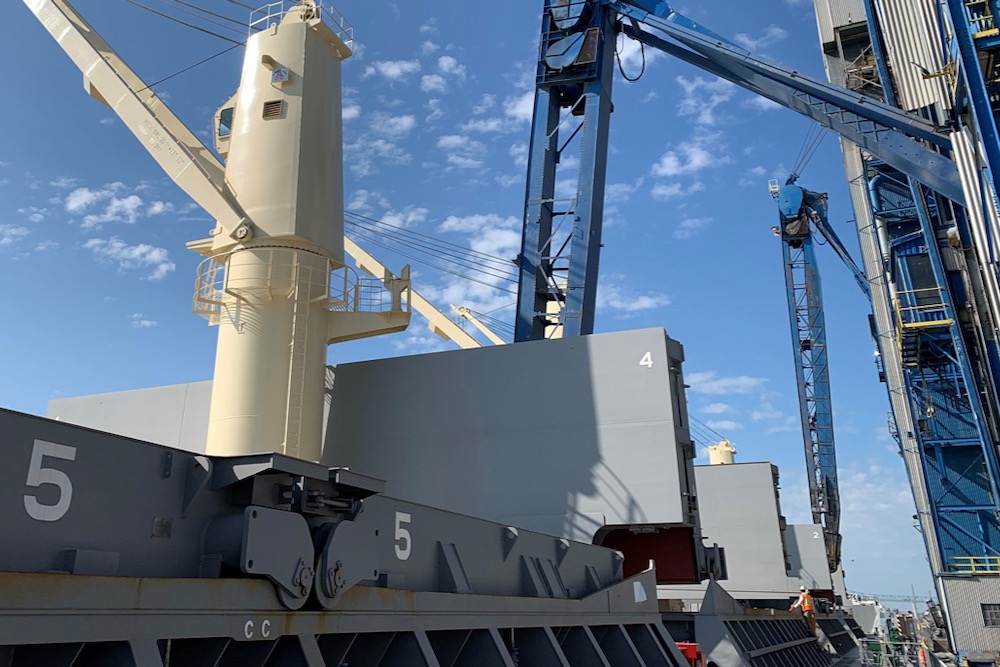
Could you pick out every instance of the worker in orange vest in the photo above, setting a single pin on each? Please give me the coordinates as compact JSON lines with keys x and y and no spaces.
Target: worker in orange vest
{"x":805,"y":603}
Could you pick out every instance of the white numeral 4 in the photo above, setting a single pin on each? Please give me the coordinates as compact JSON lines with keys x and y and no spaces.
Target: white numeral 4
{"x":39,"y":476}
{"x":402,"y":535}
{"x":647,"y":360}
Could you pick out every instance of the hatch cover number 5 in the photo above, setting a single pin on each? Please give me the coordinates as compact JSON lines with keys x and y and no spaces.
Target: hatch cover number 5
{"x":39,"y":475}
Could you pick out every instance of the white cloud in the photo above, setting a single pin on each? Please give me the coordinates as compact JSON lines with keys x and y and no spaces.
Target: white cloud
{"x":723,"y":425}
{"x":770,"y":35}
{"x":488,"y":102}
{"x":108,"y":120}
{"x":464,"y":162}
{"x":365,"y":201}
{"x":363,"y":153}
{"x":393,"y":126}
{"x":477,"y":223}
{"x":140,"y":322}
{"x":451,"y":67}
{"x":139,"y":257}
{"x":701,"y":151}
{"x":701,"y":96}
{"x":46,"y":245}
{"x":715,"y":409}
{"x":665,"y":191}
{"x":766,"y":412}
{"x":33,"y":213}
{"x":81,"y":198}
{"x":433,"y":83}
{"x":761,"y":103}
{"x":485,"y":125}
{"x":434,"y":110}
{"x":709,"y":382}
{"x":461,"y":151}
{"x":612,"y":295}
{"x":63,"y":182}
{"x":520,"y":108}
{"x":428,"y":48}
{"x":10,"y":234}
{"x":350,"y":112}
{"x":392,"y":70}
{"x":159,"y":208}
{"x":519,"y":152}
{"x":688,"y":228}
{"x":408,"y":217}
{"x":125,"y":209}
{"x":430,"y":25}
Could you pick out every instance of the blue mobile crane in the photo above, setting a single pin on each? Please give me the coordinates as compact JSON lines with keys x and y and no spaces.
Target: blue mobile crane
{"x":929,"y":312}
{"x":799,"y":212}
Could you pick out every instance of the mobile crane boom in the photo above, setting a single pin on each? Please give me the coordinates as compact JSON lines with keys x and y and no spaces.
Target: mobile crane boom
{"x":800,"y":211}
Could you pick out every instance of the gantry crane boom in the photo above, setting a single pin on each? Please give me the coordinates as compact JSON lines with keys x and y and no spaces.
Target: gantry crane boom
{"x":559,"y":259}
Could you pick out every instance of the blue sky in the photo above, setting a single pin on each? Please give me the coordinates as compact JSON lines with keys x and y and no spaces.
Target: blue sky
{"x":437,"y":113}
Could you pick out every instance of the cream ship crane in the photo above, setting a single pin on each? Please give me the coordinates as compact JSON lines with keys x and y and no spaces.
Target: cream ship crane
{"x":274,"y":277}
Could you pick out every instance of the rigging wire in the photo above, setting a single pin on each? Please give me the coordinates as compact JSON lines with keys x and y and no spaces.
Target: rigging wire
{"x":435,"y":266}
{"x":242,"y":24}
{"x":814,"y":138}
{"x":184,"y":23}
{"x":402,"y":230}
{"x":240,"y":4}
{"x":413,"y":246}
{"x":176,"y":5}
{"x":190,"y":67}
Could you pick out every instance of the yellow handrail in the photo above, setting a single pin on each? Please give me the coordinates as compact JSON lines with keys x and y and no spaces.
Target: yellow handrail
{"x":974,"y":564}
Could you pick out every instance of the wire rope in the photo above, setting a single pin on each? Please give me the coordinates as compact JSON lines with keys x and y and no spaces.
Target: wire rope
{"x":184,"y":23}
{"x":403,"y":230}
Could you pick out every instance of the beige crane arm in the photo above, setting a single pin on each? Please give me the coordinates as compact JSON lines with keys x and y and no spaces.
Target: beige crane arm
{"x":439,"y":323}
{"x":110,"y":80}
{"x":467,"y":314}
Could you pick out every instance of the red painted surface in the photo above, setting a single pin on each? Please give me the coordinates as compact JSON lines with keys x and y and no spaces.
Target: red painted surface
{"x":691,"y":653}
{"x":671,"y":548}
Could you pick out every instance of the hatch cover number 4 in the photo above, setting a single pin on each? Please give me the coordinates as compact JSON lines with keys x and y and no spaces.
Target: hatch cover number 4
{"x":39,"y":476}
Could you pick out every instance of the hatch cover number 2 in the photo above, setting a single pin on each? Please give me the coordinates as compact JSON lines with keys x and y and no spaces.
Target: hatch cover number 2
{"x":39,"y":476}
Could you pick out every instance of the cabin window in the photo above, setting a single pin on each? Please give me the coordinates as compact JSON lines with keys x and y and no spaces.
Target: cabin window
{"x":991,"y":615}
{"x":226,"y":121}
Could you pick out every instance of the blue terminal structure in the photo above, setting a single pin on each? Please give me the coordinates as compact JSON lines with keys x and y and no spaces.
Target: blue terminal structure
{"x":922,"y":172}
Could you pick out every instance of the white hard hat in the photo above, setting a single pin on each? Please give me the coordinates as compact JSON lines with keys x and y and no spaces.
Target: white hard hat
{"x":802,"y":588}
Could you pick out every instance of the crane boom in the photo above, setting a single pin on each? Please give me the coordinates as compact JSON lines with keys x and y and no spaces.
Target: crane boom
{"x":111,"y":81}
{"x":799,"y":211}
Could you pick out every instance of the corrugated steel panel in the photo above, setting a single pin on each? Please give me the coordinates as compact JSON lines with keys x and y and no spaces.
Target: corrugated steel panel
{"x":832,"y":14}
{"x":912,"y":41}
{"x":969,"y":170}
{"x":965,"y":599}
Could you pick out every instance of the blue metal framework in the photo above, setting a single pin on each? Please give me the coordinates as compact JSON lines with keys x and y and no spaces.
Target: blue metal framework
{"x":558,"y":261}
{"x":952,"y":432}
{"x":800,"y":210}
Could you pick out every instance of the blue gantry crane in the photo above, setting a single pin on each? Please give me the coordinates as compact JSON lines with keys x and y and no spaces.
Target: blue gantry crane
{"x":928,"y":229}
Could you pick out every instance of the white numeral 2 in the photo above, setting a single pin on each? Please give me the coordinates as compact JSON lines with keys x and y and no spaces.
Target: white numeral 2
{"x":647,"y":360}
{"x":38,"y":476}
{"x":402,"y":535}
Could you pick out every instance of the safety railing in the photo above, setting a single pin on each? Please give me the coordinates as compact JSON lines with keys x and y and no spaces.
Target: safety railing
{"x":980,"y":18}
{"x":338,"y":286}
{"x":921,"y":308}
{"x":270,"y":14}
{"x":974,"y":565}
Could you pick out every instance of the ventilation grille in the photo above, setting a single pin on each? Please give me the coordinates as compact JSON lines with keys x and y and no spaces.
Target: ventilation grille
{"x":273,"y":109}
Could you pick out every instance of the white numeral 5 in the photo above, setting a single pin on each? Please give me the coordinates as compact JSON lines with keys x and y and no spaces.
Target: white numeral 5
{"x":38,"y":476}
